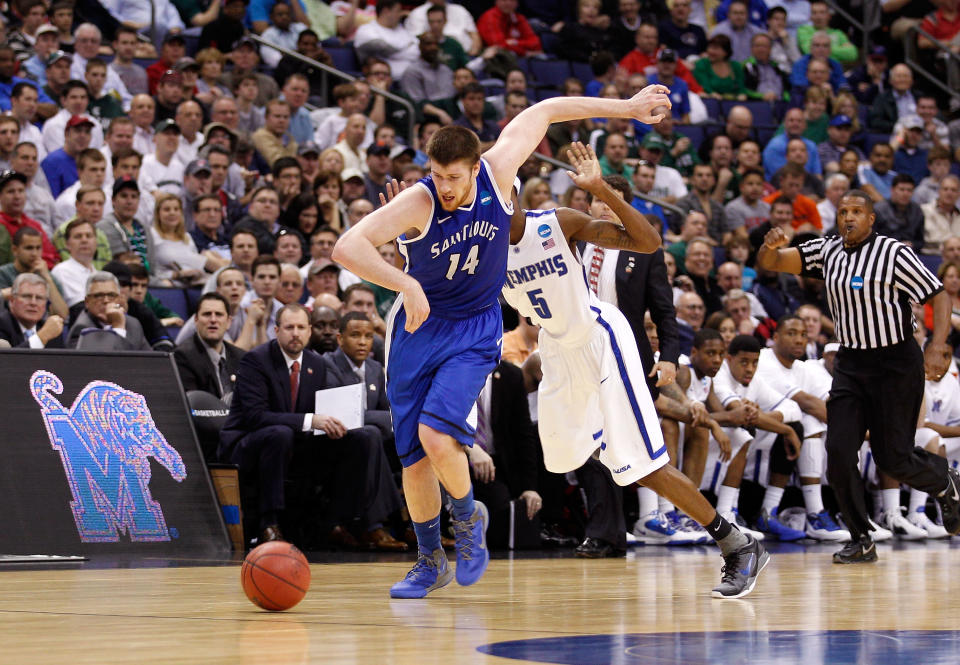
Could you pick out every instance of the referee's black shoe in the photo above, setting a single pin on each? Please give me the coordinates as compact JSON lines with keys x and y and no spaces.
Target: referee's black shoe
{"x":857,"y":551}
{"x":949,"y":500}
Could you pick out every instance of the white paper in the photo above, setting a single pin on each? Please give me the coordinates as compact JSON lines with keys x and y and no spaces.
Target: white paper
{"x":345,"y":403}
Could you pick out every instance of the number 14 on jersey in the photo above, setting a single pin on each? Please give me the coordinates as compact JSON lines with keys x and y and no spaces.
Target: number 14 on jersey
{"x":469,"y":263}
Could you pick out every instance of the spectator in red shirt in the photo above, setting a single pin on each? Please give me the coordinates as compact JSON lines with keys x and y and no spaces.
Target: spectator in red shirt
{"x":943,"y":25}
{"x":643,"y":59}
{"x":13,"y":198}
{"x":502,"y":26}
{"x":174,"y":47}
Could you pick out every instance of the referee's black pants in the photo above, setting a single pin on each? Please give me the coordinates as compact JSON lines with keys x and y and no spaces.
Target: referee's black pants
{"x":880,"y":390}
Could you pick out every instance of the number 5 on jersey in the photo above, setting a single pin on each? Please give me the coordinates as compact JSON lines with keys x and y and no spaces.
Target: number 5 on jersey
{"x":469,"y":264}
{"x":539,"y":304}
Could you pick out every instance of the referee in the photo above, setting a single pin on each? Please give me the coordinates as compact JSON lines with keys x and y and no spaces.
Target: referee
{"x":878,"y":379}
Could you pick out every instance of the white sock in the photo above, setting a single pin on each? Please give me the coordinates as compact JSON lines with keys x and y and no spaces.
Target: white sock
{"x":725,"y":498}
{"x":813,"y":498}
{"x":918,"y":500}
{"x":647,"y":499}
{"x":891,"y":500}
{"x":665,"y":505}
{"x":736,"y":498}
{"x":772,"y":498}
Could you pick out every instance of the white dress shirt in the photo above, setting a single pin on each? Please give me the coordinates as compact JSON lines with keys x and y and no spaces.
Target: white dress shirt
{"x":30,"y":334}
{"x":72,"y":276}
{"x":307,"y":417}
{"x":607,"y":281}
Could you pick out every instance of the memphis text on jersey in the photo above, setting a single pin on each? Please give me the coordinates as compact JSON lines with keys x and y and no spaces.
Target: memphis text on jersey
{"x":482,"y":229}
{"x":549,"y":266}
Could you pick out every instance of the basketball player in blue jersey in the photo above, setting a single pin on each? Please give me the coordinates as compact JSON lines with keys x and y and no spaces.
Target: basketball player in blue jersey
{"x":587,"y":403}
{"x":445,"y":330}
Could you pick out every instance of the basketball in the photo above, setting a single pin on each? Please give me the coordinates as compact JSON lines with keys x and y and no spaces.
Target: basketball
{"x":275,"y":576}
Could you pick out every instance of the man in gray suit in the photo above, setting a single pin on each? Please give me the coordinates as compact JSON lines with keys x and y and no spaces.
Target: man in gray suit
{"x":103,"y":325}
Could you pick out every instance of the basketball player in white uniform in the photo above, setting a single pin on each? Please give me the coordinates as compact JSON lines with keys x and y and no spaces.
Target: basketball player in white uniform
{"x":592,"y":397}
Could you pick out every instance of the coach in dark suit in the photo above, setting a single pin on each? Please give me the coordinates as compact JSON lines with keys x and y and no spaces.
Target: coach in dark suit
{"x":207,"y":362}
{"x":270,"y":421}
{"x":25,"y":325}
{"x":354,"y":363}
{"x":504,"y":459}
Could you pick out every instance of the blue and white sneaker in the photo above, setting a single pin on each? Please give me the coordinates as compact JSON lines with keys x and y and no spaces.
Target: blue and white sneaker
{"x":472,"y":553}
{"x":430,"y":572}
{"x":688,"y":531}
{"x":654,"y":529}
{"x":820,"y":526}
{"x":734,"y":518}
{"x":770,"y":523}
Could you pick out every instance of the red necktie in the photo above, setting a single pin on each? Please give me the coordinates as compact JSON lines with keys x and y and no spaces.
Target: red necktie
{"x":294,"y":384}
{"x":595,"y":264}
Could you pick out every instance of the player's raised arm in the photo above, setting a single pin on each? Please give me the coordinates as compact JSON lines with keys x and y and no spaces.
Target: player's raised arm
{"x":636,"y":234}
{"x":356,"y":250}
{"x":522,"y":136}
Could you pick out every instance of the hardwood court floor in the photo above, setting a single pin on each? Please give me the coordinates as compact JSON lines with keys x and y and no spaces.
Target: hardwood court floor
{"x":191,"y":615}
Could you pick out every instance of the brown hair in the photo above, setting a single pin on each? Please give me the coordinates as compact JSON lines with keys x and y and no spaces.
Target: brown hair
{"x":452,"y":144}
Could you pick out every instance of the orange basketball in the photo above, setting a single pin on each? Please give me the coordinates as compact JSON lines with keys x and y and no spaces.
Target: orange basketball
{"x":275,"y":576}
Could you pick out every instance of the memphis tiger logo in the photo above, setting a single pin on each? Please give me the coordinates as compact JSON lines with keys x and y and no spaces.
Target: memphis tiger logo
{"x":105,"y":440}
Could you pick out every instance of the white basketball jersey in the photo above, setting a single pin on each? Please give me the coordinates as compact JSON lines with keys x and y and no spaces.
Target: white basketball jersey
{"x":545,"y":281}
{"x":943,"y":401}
{"x":699,"y":388}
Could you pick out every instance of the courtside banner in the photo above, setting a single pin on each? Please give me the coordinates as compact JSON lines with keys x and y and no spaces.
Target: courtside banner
{"x":98,"y":457}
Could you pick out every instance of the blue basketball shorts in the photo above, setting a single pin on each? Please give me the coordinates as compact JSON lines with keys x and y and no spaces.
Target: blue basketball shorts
{"x":435,"y":375}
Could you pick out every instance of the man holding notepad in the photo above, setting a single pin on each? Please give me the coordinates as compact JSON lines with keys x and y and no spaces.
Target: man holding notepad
{"x":270,"y":434}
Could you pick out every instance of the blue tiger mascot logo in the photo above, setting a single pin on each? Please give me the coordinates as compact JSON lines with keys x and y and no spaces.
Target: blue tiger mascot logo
{"x":104,"y":441}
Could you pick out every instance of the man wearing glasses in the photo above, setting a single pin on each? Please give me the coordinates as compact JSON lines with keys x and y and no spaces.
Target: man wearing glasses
{"x":26,"y":325}
{"x":103,"y":324}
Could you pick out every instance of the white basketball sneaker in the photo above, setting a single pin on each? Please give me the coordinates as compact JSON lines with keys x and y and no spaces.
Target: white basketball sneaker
{"x":734,"y":518}
{"x":878,"y":533}
{"x":898,"y":524}
{"x":919,"y":519}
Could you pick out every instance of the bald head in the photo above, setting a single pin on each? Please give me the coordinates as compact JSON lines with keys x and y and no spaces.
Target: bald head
{"x":739,"y":123}
{"x":729,"y":276}
{"x":901,"y":78}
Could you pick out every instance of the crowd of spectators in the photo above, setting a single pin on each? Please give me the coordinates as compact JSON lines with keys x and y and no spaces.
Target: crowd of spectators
{"x":143,"y":157}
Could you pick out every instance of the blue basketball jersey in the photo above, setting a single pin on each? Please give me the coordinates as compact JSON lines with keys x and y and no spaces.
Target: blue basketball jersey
{"x":460,"y":258}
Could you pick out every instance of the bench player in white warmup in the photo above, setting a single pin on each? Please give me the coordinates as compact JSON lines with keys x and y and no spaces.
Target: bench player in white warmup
{"x":592,"y":396}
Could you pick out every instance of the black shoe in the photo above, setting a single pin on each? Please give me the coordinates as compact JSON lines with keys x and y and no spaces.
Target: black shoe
{"x":270,"y":533}
{"x":857,"y":551}
{"x":741,"y":568}
{"x":594,"y":548}
{"x":949,"y":501}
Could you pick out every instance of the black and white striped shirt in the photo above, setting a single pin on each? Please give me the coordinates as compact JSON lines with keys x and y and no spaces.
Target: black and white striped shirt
{"x":869,"y":287}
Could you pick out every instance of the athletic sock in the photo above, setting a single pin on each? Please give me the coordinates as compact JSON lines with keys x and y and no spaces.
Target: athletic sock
{"x":918,"y":500}
{"x":725,"y":498}
{"x":665,"y":505}
{"x":813,"y":498}
{"x":428,"y":535}
{"x":728,"y":537}
{"x":891,"y":500}
{"x":771,"y":499}
{"x":463,"y":508}
{"x":647,"y":499}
